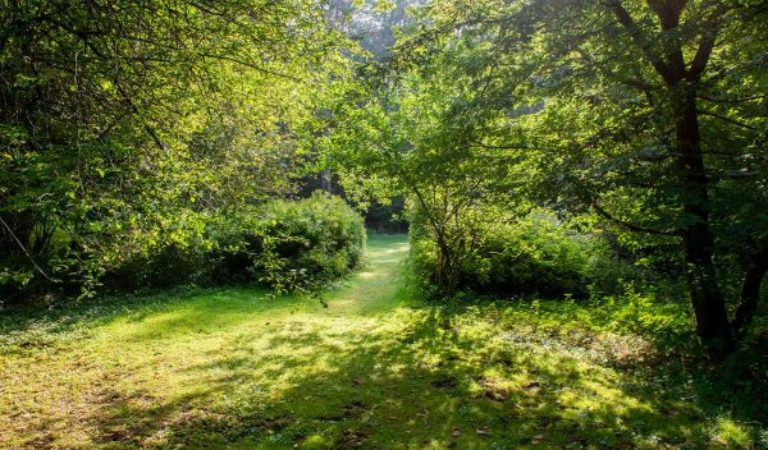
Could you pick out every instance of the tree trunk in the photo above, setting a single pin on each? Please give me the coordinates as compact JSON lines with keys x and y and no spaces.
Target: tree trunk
{"x":445,"y":276}
{"x":708,"y":301}
{"x":326,"y":181}
{"x":750,"y":291}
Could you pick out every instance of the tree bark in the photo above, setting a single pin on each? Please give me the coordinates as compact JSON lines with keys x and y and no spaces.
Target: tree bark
{"x":708,"y":302}
{"x":750,"y":291}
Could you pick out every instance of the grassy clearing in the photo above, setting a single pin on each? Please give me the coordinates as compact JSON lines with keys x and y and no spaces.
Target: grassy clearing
{"x":376,"y":368}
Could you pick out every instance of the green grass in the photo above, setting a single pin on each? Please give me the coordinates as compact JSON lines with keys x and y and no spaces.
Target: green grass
{"x":376,"y":368}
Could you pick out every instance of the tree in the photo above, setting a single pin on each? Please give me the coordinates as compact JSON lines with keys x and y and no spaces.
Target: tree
{"x":123,"y":120}
{"x":650,"y":113}
{"x":400,"y":138}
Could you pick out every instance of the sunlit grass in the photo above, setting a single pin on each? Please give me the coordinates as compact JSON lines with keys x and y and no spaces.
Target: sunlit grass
{"x":376,"y":368}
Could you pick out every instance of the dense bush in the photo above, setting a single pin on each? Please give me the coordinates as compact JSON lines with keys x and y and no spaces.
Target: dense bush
{"x":534,"y":255}
{"x":283,"y":244}
{"x":290,"y":245}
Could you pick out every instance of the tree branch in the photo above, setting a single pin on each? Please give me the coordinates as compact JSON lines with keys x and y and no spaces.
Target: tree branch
{"x":499,"y":147}
{"x":628,"y":225}
{"x":639,"y":38}
{"x":706,"y":45}
{"x":732,"y":100}
{"x":668,"y":13}
{"x":726,"y":119}
{"x":26,"y":252}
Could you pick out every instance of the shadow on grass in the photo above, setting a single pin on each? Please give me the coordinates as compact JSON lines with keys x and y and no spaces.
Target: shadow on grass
{"x":439,"y":381}
{"x":180,"y":310}
{"x":36,"y":325}
{"x":380,"y":370}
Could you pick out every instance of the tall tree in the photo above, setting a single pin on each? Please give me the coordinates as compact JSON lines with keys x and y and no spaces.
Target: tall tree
{"x":652,"y":113}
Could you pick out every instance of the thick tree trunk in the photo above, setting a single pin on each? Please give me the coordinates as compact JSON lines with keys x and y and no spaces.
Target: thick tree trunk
{"x":668,"y":59}
{"x":708,"y":301}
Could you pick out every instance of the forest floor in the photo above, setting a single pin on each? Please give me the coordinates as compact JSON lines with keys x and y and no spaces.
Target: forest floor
{"x":372,"y":368}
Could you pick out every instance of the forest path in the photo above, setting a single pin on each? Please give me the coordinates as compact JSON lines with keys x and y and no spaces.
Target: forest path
{"x":378,"y":286}
{"x":375,"y":367}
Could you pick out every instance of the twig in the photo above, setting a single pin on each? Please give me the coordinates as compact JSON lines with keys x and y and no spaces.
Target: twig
{"x":26,"y":252}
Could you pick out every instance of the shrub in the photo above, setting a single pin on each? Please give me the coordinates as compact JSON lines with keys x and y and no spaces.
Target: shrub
{"x":166,"y":252}
{"x":286,"y":245}
{"x":293,"y":245}
{"x":534,"y":255}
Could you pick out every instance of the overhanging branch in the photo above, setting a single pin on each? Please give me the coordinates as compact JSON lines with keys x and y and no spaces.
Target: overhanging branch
{"x":629,"y":225}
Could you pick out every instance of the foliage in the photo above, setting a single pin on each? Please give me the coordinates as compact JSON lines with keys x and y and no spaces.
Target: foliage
{"x":304,"y":244}
{"x":127,"y":123}
{"x":644,"y":115}
{"x":582,"y":180}
{"x":375,"y":23}
{"x":392,"y":140}
{"x":284,"y":245}
{"x":535,"y":254}
{"x":386,"y":217}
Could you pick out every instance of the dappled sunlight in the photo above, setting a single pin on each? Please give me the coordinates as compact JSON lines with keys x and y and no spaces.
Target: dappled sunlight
{"x":369,"y":275}
{"x":392,"y":249}
{"x":236,"y":369}
{"x":384,"y":224}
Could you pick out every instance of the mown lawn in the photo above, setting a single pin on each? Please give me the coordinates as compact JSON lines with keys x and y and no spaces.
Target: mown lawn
{"x":372,"y":368}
